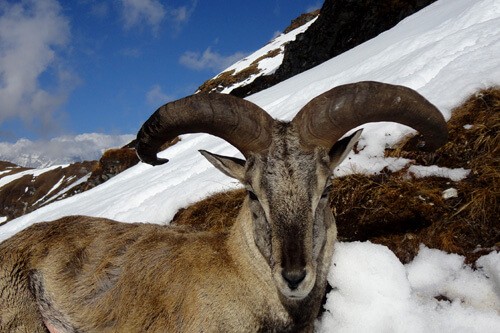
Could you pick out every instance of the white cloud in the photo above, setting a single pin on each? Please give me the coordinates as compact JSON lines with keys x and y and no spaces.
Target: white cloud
{"x":181,"y":14}
{"x":209,"y":60}
{"x":33,"y":36}
{"x":156,"y":97}
{"x":152,"y":12}
{"x":61,"y":150}
{"x":138,"y":12}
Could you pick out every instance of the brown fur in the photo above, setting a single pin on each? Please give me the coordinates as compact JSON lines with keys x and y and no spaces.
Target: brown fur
{"x":83,"y":275}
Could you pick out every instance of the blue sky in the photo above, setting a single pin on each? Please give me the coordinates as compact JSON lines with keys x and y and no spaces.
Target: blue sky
{"x":70,"y":67}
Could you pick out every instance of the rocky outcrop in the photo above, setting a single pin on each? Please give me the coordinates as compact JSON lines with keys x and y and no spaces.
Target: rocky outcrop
{"x":23,"y":190}
{"x":112,"y":162}
{"x":301,"y":20}
{"x":341,"y":25}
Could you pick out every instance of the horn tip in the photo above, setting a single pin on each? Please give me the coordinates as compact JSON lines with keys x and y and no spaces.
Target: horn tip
{"x":434,"y":143}
{"x":157,"y":161}
{"x":150,"y":159}
{"x":153,"y":160}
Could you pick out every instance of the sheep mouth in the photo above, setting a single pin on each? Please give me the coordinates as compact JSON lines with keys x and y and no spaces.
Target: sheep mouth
{"x":298,"y":291}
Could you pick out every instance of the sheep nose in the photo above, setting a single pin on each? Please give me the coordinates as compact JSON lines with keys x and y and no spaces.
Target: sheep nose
{"x":294,"y":277}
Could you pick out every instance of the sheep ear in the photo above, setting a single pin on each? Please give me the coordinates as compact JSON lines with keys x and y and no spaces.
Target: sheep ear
{"x":341,"y":148}
{"x":230,"y":166}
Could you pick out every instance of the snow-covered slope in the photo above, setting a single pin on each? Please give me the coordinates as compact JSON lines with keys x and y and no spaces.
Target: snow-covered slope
{"x":445,"y":51}
{"x":264,"y":61}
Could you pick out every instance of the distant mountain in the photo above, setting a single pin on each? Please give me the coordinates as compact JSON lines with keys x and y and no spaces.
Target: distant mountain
{"x":60,"y":150}
{"x":23,"y":190}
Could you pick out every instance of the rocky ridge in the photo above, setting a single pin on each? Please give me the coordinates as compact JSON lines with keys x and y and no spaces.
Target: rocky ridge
{"x":340,"y":26}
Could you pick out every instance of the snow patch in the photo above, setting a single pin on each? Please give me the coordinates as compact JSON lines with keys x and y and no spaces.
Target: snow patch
{"x":456,"y":174}
{"x":33,"y":172}
{"x":374,"y":292}
{"x":450,"y":193}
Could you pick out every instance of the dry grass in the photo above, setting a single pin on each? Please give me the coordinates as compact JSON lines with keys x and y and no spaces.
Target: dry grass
{"x":301,"y":20}
{"x":226,"y":79}
{"x":400,"y":212}
{"x":469,"y":224}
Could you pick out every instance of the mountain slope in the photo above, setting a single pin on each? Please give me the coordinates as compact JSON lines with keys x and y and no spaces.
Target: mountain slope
{"x":23,"y":190}
{"x":263,"y":62}
{"x":341,"y":25}
{"x":445,"y":51}
{"x":310,"y":40}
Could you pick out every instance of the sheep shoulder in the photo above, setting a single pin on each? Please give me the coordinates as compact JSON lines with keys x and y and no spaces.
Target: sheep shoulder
{"x":106,"y":274}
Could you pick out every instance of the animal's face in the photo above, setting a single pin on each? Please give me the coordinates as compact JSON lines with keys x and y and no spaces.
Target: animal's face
{"x":288,"y":196}
{"x":288,"y":187}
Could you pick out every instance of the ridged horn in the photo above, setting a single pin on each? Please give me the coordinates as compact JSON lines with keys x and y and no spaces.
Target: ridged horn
{"x":327,"y":117}
{"x":240,"y":122}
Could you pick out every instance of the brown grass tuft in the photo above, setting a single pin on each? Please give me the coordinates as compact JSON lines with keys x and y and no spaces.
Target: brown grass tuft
{"x":226,"y":79}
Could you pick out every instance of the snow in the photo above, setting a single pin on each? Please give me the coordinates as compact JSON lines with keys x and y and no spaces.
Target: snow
{"x":446,"y":52}
{"x":433,"y":170}
{"x":66,"y":189}
{"x":450,"y":193}
{"x":51,"y":190}
{"x":276,"y":43}
{"x":374,"y":292}
{"x":267,"y":65}
{"x":33,"y":172}
{"x":5,"y":171}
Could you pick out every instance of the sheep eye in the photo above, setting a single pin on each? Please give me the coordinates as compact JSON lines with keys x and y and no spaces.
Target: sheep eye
{"x":326,"y":192}
{"x":252,"y":196}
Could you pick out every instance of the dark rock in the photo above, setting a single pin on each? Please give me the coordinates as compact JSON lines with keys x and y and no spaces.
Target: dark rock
{"x":341,"y":25}
{"x":27,"y":193}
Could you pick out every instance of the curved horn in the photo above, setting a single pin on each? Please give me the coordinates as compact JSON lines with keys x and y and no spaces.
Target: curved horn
{"x":241,"y":123}
{"x":327,"y":117}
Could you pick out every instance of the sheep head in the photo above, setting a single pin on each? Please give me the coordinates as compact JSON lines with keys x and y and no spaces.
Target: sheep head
{"x":288,"y":165}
